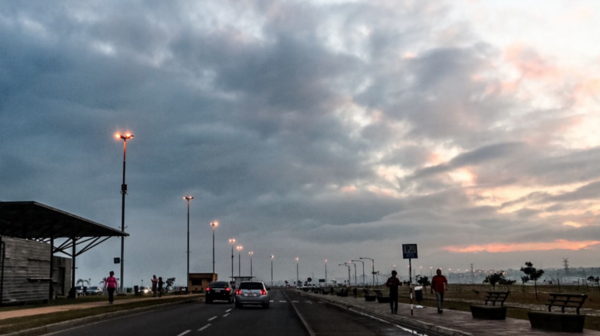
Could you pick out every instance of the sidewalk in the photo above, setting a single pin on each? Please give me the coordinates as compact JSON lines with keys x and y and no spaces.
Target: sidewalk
{"x":55,"y":309}
{"x":451,"y":322}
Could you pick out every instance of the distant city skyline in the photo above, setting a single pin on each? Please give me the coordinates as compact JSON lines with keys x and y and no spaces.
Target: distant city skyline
{"x":314,"y":129}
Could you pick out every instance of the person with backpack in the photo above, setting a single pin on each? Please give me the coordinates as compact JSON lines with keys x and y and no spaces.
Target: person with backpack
{"x":110,"y":284}
{"x":392,"y":283}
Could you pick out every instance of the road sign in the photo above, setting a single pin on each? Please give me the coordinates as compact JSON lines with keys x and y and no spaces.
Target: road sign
{"x":409,"y":251}
{"x":117,"y":260}
{"x":321,"y":280}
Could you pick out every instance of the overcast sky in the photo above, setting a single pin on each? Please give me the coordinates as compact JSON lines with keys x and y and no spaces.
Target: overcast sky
{"x":311,"y":129}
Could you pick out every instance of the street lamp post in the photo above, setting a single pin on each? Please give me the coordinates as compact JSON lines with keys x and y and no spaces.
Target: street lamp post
{"x":240,"y":248}
{"x":325,"y":272}
{"x":251,"y":254}
{"x":297,"y":271}
{"x":125,"y":137}
{"x":188,"y":199}
{"x":355,"y":282}
{"x":214,"y":225}
{"x":272,"y":257}
{"x":231,"y":241}
{"x":373,"y":265}
{"x":363,"y":264}
{"x":346,"y":264}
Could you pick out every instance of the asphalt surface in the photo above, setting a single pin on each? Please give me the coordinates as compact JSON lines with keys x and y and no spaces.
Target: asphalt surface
{"x":287,"y":315}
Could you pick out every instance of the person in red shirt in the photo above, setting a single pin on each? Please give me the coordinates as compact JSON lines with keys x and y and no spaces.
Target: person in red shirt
{"x":439,"y":284}
{"x":392,"y":283}
{"x":110,"y":284}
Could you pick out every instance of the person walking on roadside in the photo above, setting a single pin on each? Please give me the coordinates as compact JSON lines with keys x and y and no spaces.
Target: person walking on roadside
{"x":160,"y":286}
{"x":154,"y":281}
{"x":439,"y":284}
{"x":392,"y":283}
{"x":110,"y":284}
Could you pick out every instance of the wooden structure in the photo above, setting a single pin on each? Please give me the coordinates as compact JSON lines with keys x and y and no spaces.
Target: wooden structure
{"x":491,"y":312}
{"x":556,"y":321}
{"x":42,"y":227}
{"x":199,"y":281}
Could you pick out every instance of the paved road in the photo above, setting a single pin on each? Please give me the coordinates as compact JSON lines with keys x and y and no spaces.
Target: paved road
{"x":223,"y":319}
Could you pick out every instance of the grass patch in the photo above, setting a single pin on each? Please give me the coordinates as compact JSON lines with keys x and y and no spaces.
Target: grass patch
{"x":23,"y":323}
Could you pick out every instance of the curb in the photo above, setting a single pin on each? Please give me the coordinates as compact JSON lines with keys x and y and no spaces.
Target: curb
{"x":408,"y":322}
{"x":61,"y":326}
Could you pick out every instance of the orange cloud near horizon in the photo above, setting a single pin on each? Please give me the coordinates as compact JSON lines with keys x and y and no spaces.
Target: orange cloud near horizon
{"x":559,"y":244}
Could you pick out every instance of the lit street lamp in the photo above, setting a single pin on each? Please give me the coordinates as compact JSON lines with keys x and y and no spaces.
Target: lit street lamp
{"x":373,"y":265}
{"x":240,"y":248}
{"x":297,"y":271}
{"x":231,"y":241}
{"x":125,"y":137}
{"x":214,"y":225}
{"x":188,"y":199}
{"x":272,"y":257}
{"x":251,"y":254}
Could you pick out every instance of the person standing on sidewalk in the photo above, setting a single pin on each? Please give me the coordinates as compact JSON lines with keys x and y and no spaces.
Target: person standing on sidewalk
{"x":111,"y":285}
{"x":154,"y":281}
{"x":439,"y":284}
{"x":160,"y":286}
{"x":392,"y":283}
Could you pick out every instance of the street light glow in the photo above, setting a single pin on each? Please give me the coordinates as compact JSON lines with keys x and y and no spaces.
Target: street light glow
{"x":214,"y":224}
{"x":251,"y":253}
{"x":232,"y":241}
{"x":124,"y":136}
{"x":188,"y":198}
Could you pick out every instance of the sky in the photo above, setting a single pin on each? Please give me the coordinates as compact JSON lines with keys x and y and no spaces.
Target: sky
{"x":311,"y":129}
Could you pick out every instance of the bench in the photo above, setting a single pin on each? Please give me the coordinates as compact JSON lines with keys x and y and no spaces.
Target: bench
{"x":556,"y":321}
{"x":381,"y":298}
{"x":369,"y":297}
{"x":492,"y":312}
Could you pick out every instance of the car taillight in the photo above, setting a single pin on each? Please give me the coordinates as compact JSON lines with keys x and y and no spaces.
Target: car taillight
{"x":263,"y":292}
{"x":207,"y":289}
{"x":227,"y":289}
{"x":238,"y":292}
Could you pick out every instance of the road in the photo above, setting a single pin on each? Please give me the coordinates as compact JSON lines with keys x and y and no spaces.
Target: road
{"x":285,"y":317}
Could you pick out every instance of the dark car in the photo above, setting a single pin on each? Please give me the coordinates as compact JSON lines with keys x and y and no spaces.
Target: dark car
{"x":219,"y":290}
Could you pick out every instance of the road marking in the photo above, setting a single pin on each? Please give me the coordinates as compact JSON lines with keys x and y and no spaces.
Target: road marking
{"x":226,"y":315}
{"x":228,"y":310}
{"x":270,"y":300}
{"x":282,"y":301}
{"x":206,"y":326}
{"x":212,"y":318}
{"x":183,"y":333}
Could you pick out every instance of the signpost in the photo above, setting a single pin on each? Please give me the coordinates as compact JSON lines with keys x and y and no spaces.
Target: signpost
{"x":409,"y":251}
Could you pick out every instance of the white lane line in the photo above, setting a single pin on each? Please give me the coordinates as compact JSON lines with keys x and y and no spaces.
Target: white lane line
{"x":270,"y":300}
{"x":212,"y":318}
{"x":183,"y":333}
{"x":282,"y":301}
{"x":206,"y":326}
{"x":226,"y":315}
{"x":228,"y":310}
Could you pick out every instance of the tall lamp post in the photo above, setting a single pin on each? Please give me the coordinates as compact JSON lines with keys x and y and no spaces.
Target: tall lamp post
{"x":240,"y":248}
{"x":351,"y":263}
{"x":373,"y":265}
{"x":363,"y":277}
{"x":214,"y":225}
{"x":125,"y":137}
{"x":297,"y":271}
{"x":231,"y":241}
{"x":346,"y":264}
{"x":325,"y":272}
{"x":188,"y":199}
{"x":251,"y":254}
{"x":272,"y":257}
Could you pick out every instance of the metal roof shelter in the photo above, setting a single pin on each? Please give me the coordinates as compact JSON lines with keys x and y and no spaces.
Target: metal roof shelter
{"x":36,"y":221}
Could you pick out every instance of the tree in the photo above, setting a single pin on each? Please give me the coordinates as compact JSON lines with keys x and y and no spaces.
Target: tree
{"x":83,"y":282}
{"x":494,"y":279}
{"x":594,"y":279}
{"x":169,"y":282}
{"x":507,"y":282}
{"x":532,"y":274}
{"x":423,"y":281}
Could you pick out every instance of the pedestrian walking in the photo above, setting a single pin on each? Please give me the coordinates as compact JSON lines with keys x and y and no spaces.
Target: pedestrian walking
{"x":160,"y":286}
{"x":110,"y":284}
{"x":392,"y":283}
{"x":439,"y":284}
{"x":154,"y":281}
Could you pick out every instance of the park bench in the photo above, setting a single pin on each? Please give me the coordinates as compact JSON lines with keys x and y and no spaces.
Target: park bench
{"x":368,"y":296}
{"x":562,"y":321}
{"x":381,"y":298}
{"x":493,"y":311}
